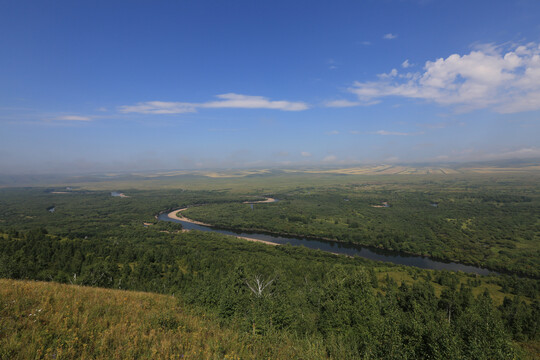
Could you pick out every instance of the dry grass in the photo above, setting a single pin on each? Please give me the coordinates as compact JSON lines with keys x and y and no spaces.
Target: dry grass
{"x":54,"y":321}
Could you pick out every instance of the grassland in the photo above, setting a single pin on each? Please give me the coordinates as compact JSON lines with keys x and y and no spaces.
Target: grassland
{"x":53,"y":321}
{"x":275,"y":179}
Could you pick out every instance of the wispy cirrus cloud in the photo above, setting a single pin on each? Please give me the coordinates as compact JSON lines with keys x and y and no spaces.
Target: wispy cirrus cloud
{"x":488,"y":77}
{"x":389,"y":36}
{"x":73,"y":118}
{"x":329,"y":158}
{"x":440,"y":125}
{"x":348,"y":103}
{"x":158,"y":107}
{"x":229,"y":100}
{"x":527,"y":152}
{"x":395,"y":133}
{"x":385,"y":133}
{"x":332,"y":65}
{"x":232,"y":100}
{"x":342,"y":103}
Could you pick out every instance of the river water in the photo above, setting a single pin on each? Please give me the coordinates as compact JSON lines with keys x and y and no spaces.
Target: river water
{"x":344,"y":249}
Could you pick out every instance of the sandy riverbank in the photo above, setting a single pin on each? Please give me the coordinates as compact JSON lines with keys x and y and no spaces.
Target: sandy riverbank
{"x":174,"y":215}
{"x":257,"y":240}
{"x":268,"y":200}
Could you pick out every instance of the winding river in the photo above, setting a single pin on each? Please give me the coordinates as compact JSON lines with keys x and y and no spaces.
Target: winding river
{"x":333,"y":247}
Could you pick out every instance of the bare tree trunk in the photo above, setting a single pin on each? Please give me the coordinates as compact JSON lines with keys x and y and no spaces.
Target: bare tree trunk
{"x":259,"y":285}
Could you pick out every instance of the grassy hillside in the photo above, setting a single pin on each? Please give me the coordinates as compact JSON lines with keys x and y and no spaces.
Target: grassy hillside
{"x":41,"y":320}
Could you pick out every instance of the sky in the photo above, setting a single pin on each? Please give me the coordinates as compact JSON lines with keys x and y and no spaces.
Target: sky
{"x":154,"y":85}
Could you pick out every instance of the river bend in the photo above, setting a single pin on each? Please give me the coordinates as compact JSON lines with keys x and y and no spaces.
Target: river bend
{"x":336,"y":248}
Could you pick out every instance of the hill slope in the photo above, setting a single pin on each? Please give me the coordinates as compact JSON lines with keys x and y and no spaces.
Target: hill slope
{"x":41,"y":320}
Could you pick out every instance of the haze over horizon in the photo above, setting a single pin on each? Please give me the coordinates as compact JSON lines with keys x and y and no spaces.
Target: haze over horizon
{"x":138,"y":85}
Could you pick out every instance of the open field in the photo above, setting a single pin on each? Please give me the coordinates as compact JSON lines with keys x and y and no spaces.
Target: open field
{"x":232,"y":179}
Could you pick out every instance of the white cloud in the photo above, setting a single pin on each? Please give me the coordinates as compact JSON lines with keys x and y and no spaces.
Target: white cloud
{"x":389,"y":36}
{"x":73,"y":118}
{"x":529,"y":152}
{"x":232,"y":100}
{"x":366,"y":43}
{"x":158,"y":107}
{"x":386,"y":133}
{"x":441,"y":125}
{"x":406,"y":64}
{"x":333,"y":132}
{"x":341,"y":103}
{"x":229,"y":100}
{"x":332,"y":64}
{"x":305,"y":154}
{"x":506,"y":82}
{"x":329,"y":158}
{"x":389,"y":75}
{"x":347,"y":103}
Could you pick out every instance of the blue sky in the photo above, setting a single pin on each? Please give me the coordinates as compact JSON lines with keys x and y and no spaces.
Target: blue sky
{"x":142,"y":85}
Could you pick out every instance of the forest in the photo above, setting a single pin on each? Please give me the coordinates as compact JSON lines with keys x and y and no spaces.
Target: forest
{"x":481,"y":225}
{"x":329,"y":306}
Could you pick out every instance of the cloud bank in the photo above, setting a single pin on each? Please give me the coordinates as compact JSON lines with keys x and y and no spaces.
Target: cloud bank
{"x":230,"y":100}
{"x":506,"y":82}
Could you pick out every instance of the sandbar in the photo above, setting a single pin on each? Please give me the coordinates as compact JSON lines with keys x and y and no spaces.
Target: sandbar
{"x":268,"y":200}
{"x":174,"y":215}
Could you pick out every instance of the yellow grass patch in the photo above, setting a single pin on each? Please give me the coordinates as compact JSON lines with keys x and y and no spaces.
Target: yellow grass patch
{"x":54,"y":321}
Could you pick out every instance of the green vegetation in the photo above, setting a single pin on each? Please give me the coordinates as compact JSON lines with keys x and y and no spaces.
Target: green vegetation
{"x":53,"y":321}
{"x":234,"y":298}
{"x":346,"y":306}
{"x":486,"y":223}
